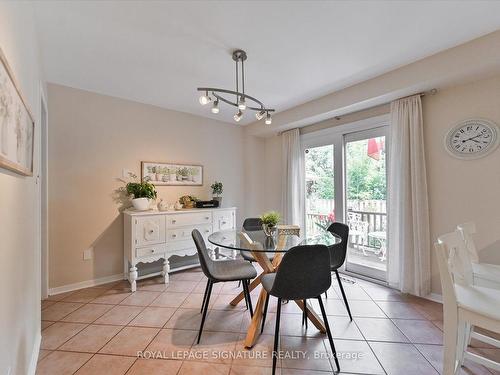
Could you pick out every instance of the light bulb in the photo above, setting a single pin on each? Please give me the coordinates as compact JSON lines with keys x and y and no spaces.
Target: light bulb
{"x":215,"y":108}
{"x":269,"y":120}
{"x":205,"y":99}
{"x":241,"y":104}
{"x":260,"y":115}
{"x":237,"y":117}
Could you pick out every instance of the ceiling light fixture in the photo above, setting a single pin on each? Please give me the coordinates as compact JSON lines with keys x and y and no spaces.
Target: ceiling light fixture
{"x":237,"y":117}
{"x":215,"y":107}
{"x":260,"y":115}
{"x":269,"y":119}
{"x":205,"y":99}
{"x":238,"y":99}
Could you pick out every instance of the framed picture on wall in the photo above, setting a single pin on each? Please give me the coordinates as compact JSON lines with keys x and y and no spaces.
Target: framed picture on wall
{"x":165,"y":174}
{"x":17,"y":126}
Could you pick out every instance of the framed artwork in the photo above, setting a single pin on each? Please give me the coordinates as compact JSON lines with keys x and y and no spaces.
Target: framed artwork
{"x":169,"y":174}
{"x":17,"y":127}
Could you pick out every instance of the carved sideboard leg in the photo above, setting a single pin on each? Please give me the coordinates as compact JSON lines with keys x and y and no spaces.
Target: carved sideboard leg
{"x":132,"y":278}
{"x":166,"y":270}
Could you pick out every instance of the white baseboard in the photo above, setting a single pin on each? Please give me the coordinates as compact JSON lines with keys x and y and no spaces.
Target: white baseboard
{"x":34,"y":354}
{"x":85,"y":284}
{"x":434,"y":297}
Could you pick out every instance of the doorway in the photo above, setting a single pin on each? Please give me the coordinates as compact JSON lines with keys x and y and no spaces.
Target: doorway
{"x":346,"y":181}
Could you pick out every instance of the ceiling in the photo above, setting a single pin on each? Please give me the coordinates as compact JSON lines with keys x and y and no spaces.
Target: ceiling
{"x":160,"y":52}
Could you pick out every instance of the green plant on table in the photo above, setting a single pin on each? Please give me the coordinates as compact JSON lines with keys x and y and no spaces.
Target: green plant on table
{"x":271,"y":218}
{"x":217,"y":188}
{"x":141,"y":190}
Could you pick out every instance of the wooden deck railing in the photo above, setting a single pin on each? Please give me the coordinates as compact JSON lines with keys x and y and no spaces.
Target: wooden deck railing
{"x":377,"y":222}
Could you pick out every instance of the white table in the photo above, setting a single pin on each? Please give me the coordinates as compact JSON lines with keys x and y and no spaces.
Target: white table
{"x":381,"y":237}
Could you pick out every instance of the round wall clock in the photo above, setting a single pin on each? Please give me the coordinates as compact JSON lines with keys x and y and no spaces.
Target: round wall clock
{"x":472,"y":139}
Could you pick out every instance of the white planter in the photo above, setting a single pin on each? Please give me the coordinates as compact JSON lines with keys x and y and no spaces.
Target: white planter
{"x":141,"y":204}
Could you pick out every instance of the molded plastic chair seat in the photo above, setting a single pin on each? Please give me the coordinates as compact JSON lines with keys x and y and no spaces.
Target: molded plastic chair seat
{"x":303,"y":273}
{"x":267,"y":281}
{"x":485,"y":301}
{"x":220,"y":271}
{"x":232,"y":270}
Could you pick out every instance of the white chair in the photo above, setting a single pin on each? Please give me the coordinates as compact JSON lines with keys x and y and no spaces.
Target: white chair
{"x":485,"y":274}
{"x":465,"y":306}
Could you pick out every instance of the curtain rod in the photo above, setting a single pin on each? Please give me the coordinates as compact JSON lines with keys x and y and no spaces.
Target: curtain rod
{"x":422,"y":93}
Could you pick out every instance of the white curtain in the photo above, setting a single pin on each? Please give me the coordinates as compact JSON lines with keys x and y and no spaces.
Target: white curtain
{"x":292,"y":185}
{"x":408,"y":267}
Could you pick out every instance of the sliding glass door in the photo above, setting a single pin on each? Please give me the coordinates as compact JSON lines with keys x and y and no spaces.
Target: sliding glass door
{"x":365,"y":191}
{"x":345,"y":180}
{"x":320,"y":191}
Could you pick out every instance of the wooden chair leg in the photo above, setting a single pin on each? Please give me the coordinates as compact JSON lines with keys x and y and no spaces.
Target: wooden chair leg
{"x":204,"y":296}
{"x":264,"y":314}
{"x":343,"y":294}
{"x":205,"y":308}
{"x":329,"y":333}
{"x":276,"y":335}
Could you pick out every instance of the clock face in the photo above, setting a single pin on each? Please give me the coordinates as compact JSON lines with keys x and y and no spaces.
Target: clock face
{"x":472,"y":139}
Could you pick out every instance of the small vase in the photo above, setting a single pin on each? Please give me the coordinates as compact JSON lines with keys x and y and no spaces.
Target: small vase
{"x":218,"y":199}
{"x":141,"y":204}
{"x":269,"y":230}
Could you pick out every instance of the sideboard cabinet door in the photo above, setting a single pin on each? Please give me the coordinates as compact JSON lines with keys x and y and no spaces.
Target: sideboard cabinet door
{"x":150,"y":230}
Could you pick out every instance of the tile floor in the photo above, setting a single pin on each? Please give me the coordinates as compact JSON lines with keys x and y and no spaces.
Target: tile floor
{"x":100,"y":330}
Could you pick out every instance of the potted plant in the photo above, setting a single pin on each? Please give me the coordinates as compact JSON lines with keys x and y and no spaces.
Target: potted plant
{"x":152,"y":173}
{"x":165,"y":174}
{"x":192,"y":173}
{"x":217,"y":190}
{"x":269,"y":221}
{"x":142,"y":193}
{"x":184,"y":172}
{"x":158,"y":173}
{"x":173,"y":174}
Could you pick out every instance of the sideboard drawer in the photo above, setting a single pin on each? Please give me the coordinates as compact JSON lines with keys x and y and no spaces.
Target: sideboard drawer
{"x":141,"y":252}
{"x":184,"y":233}
{"x":150,"y":230}
{"x":181,"y":245}
{"x":179,"y":220}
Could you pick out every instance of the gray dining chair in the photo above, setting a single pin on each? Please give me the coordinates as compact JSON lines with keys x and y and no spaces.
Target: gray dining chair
{"x":338,"y":254}
{"x":303,"y":273}
{"x":251,"y":224}
{"x":221,"y":271}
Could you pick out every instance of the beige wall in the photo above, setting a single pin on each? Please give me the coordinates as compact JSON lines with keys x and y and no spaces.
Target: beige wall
{"x":459,"y":191}
{"x":19,"y":248}
{"x":93,"y":137}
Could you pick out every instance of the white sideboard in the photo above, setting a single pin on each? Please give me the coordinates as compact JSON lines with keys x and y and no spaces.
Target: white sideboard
{"x":150,"y":236}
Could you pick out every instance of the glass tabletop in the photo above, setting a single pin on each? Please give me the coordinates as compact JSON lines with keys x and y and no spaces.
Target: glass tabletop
{"x":230,"y":239}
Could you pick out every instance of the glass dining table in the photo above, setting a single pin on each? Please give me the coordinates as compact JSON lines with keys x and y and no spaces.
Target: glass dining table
{"x":268,"y":252}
